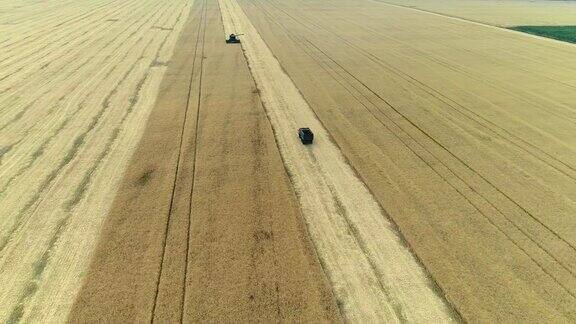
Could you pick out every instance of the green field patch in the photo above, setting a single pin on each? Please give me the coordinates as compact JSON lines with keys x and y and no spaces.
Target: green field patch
{"x":562,"y":33}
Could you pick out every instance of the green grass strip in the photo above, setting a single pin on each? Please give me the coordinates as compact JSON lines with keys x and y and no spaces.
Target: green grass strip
{"x":562,"y":33}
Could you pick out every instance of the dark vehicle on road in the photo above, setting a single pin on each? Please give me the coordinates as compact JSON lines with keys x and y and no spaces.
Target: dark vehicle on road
{"x":306,"y":135}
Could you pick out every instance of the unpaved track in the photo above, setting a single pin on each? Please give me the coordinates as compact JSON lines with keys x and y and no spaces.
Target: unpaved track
{"x":464,"y":133}
{"x":374,"y":275}
{"x":77,"y":82}
{"x":205,"y":226}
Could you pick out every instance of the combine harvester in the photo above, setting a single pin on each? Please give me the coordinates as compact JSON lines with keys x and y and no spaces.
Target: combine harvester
{"x":233,"y":39}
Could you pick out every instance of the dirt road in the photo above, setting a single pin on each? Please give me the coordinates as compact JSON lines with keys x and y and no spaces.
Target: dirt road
{"x":77,"y":82}
{"x":206,"y":226}
{"x":464,"y":133}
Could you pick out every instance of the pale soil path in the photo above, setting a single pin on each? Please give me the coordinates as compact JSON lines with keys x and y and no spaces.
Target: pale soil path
{"x":205,"y":226}
{"x":374,"y":275}
{"x":77,"y":82}
{"x":464,"y":133}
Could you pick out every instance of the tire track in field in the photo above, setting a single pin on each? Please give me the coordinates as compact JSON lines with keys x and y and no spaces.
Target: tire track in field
{"x":17,"y":15}
{"x":76,"y":146}
{"x":29,"y":82}
{"x":523,"y":231}
{"x":450,"y":102}
{"x":68,"y":34}
{"x":66,"y":43}
{"x":456,"y":157}
{"x":78,"y":65}
{"x":547,"y":43}
{"x":459,"y":69}
{"x":43,"y":145}
{"x":20,"y":114}
{"x":44,"y":259}
{"x":72,"y":39}
{"x":63,"y":97}
{"x":83,"y":64}
{"x":198,"y":105}
{"x":436,"y":94}
{"x":469,"y":187}
{"x":70,"y":154}
{"x":82,"y":22}
{"x":43,"y":32}
{"x":485,"y":180}
{"x":515,"y":306}
{"x":316,"y":180}
{"x":40,"y":149}
{"x":3,"y":150}
{"x":111,"y":70}
{"x":70,"y":42}
{"x":46,"y":17}
{"x":134,"y":98}
{"x":200,"y":39}
{"x":40,"y":15}
{"x":48,"y":140}
{"x":41,"y":264}
{"x":510,"y":58}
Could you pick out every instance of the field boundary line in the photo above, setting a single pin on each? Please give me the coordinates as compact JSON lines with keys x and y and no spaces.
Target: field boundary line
{"x":475,"y":22}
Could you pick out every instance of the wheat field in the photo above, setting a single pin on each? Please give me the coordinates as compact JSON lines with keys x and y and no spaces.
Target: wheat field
{"x":77,"y":80}
{"x":151,"y":172}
